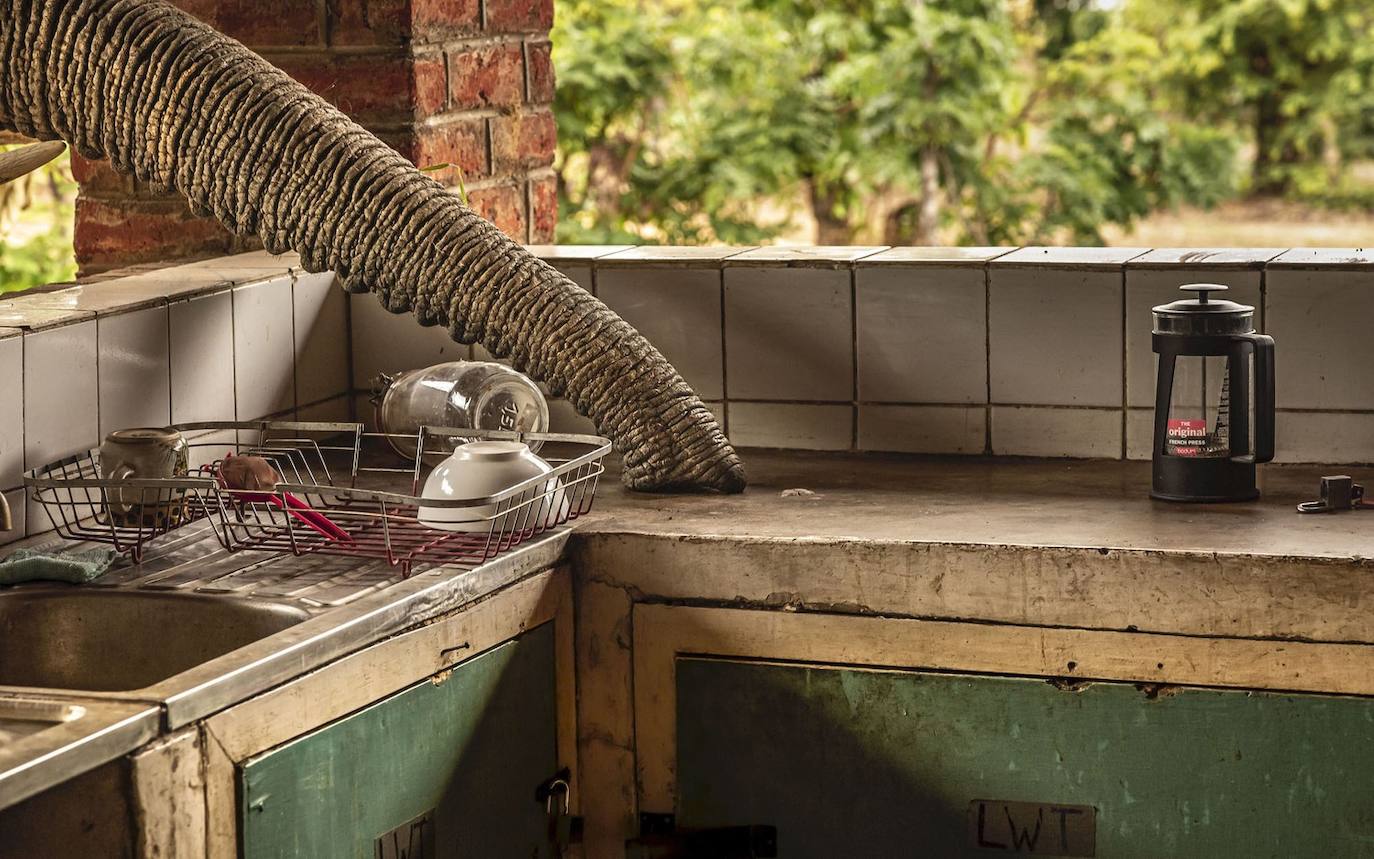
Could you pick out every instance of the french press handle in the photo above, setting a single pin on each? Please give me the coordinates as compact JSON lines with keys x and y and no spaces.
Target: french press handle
{"x":1263,"y":345}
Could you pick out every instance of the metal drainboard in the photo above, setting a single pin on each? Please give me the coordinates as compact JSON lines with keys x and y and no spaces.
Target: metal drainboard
{"x":193,"y":561}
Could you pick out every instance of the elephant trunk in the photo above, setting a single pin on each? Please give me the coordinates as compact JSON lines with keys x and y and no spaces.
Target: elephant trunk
{"x":181,"y":106}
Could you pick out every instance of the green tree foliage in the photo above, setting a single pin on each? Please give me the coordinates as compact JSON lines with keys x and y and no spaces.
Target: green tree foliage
{"x":36,"y":228}
{"x":914,"y":121}
{"x":1297,"y":74}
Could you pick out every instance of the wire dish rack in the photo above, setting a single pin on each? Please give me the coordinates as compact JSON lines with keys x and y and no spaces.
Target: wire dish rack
{"x":335,"y":472}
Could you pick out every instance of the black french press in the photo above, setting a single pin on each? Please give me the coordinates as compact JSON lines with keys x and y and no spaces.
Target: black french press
{"x":1205,"y":443}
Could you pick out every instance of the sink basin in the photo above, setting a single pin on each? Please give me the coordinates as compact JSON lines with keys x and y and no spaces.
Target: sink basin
{"x":96,"y":640}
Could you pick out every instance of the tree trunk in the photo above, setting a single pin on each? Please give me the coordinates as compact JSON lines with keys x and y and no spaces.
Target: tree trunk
{"x":928,"y":218}
{"x":1265,"y":178}
{"x":830,"y":229}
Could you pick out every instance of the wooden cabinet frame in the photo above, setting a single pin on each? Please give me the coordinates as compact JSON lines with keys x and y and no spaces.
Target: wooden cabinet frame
{"x":187,"y":802}
{"x":663,"y":632}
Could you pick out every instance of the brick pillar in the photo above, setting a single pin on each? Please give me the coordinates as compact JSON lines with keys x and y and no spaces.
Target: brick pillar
{"x":465,"y":82}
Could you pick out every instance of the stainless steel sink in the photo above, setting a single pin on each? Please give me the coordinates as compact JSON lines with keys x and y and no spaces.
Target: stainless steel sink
{"x":44,"y":741}
{"x":94,"y":640}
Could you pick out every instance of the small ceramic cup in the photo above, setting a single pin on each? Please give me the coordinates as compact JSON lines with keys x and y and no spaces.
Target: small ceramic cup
{"x":144,"y":453}
{"x":480,"y":469}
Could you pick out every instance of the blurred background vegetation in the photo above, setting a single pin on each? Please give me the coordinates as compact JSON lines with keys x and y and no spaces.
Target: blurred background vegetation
{"x":966,"y":121}
{"x":1142,"y":122}
{"x":36,"y":226}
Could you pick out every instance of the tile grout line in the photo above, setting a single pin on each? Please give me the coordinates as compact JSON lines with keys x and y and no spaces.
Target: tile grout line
{"x":854,"y":357}
{"x":987,"y":358}
{"x":724,"y":358}
{"x":349,"y":363}
{"x":1125,"y":380}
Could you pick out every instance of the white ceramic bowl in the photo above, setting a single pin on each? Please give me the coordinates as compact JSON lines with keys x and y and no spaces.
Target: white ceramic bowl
{"x":480,"y":469}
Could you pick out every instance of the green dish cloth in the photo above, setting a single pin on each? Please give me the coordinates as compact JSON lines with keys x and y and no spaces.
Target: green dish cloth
{"x":52,"y":565}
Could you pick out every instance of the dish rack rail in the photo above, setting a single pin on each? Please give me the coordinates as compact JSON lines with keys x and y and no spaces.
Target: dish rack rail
{"x":336,"y":470}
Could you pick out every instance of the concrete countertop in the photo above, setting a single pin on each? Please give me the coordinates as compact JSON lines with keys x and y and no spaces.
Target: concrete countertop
{"x":996,"y":502}
{"x":1075,"y":544}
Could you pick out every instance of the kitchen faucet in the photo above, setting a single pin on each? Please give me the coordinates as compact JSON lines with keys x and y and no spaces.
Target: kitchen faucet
{"x":6,"y":522}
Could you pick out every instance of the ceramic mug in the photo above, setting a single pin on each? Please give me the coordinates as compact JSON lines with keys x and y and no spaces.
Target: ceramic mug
{"x":144,"y":453}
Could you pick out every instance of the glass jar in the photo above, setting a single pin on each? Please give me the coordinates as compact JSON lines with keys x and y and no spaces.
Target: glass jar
{"x":459,"y":394}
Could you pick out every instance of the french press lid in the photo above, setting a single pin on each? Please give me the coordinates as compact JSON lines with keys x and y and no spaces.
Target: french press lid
{"x":1204,"y":315}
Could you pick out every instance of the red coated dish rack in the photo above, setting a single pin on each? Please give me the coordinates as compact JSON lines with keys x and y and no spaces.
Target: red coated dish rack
{"x":339,"y":471}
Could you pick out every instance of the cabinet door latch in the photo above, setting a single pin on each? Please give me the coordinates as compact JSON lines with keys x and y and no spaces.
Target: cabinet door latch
{"x":565,"y":828}
{"x":660,"y":838}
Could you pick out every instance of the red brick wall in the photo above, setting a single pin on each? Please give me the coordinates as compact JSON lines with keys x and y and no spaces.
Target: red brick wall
{"x":465,"y":82}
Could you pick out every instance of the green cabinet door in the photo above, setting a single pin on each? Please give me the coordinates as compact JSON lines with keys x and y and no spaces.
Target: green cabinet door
{"x":453,"y":762}
{"x":861,"y":763}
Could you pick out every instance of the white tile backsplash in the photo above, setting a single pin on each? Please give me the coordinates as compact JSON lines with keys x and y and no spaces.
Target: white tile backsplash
{"x":1055,"y":336}
{"x":923,"y":429}
{"x":564,"y":418}
{"x":11,"y":411}
{"x":577,"y":273}
{"x":202,"y":349}
{"x":134,"y":378}
{"x":61,"y":404}
{"x":788,"y":334}
{"x":1140,"y":433}
{"x":1322,"y":322}
{"x":332,"y":409}
{"x":264,"y":349}
{"x":321,"y":337}
{"x":678,"y":310}
{"x":1055,"y":332}
{"x":790,"y":425}
{"x":1049,"y":432}
{"x":922,"y":335}
{"x":1324,"y":437}
{"x":386,"y":342}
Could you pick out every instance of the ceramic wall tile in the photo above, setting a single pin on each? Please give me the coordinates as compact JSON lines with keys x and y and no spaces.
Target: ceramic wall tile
{"x":718,"y":409}
{"x":135,"y":361}
{"x":1140,"y":433}
{"x":1149,"y":287}
{"x":1049,"y":432}
{"x":202,"y":351}
{"x":264,"y":349}
{"x":1072,"y":257}
{"x":321,"y":337}
{"x":37,"y":519}
{"x":938,"y":257}
{"x":791,"y":425}
{"x":923,"y":429}
{"x":678,"y":310}
{"x":842,"y":256}
{"x":207,"y":447}
{"x":1320,"y":320}
{"x":564,"y":418}
{"x":18,"y":504}
{"x":788,"y":334}
{"x":11,"y":411}
{"x":922,"y":334}
{"x":557,"y":254}
{"x":578,"y":273}
{"x":386,"y":342}
{"x":61,"y":402}
{"x":332,"y":409}
{"x":705,"y":256}
{"x":1055,"y":335}
{"x":1324,"y":437}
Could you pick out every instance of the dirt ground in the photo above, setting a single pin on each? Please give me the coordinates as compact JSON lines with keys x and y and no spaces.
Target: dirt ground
{"x":1251,"y":223}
